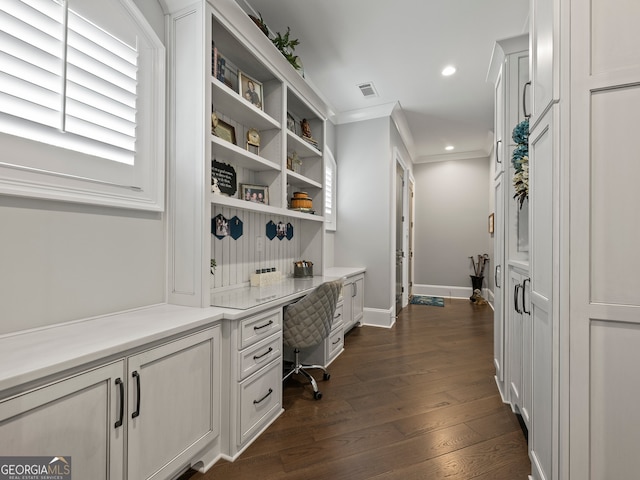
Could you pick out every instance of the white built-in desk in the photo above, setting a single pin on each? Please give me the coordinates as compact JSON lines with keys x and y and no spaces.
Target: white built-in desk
{"x":96,"y":375}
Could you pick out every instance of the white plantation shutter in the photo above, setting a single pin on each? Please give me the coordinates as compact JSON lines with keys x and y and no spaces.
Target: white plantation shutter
{"x":330,"y":185}
{"x":88,"y":87}
{"x":65,"y":73}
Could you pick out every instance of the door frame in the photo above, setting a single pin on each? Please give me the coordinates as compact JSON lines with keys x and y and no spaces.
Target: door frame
{"x":400,"y":163}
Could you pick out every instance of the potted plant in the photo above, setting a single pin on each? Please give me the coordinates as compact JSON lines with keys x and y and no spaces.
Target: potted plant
{"x":286,"y":45}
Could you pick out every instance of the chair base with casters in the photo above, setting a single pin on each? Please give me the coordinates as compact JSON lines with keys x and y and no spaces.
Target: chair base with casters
{"x":301,"y":369}
{"x":307,"y":323}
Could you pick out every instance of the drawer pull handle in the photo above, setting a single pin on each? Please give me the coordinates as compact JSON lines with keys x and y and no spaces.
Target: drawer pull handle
{"x":136,"y":375}
{"x":256,"y":402}
{"x":337,"y":341}
{"x":256,"y":357}
{"x":338,"y":316}
{"x":120,"y":383}
{"x":269,"y":323}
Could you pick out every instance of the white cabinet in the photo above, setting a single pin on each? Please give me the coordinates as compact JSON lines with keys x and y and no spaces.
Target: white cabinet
{"x":255,"y":383}
{"x":332,"y":346}
{"x":82,"y":416}
{"x":353,"y":301}
{"x":519,"y":345}
{"x":167,"y":405}
{"x":543,"y":175}
{"x":173,"y":404}
{"x":509,"y":71}
{"x":195,"y":206}
{"x":499,"y":330}
{"x":544,"y":18}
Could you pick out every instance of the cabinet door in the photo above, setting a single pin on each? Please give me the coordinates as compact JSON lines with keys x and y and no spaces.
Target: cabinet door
{"x":357,"y":297}
{"x":499,"y":121}
{"x":498,"y":290}
{"x":75,"y":417}
{"x":543,"y":158}
{"x":173,"y":404}
{"x":514,"y":316}
{"x":544,"y":49}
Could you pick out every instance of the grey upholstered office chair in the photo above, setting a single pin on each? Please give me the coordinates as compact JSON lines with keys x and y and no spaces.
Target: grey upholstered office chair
{"x":307,"y":323}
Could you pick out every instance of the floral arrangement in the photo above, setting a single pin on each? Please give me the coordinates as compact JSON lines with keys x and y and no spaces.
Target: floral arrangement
{"x":520,"y":161}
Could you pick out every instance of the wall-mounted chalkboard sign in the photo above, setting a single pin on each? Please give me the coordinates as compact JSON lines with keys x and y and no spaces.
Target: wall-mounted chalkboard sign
{"x":223,"y":178}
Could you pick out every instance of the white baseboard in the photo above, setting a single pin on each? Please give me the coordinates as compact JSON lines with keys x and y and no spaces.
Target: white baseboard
{"x":448,"y":291}
{"x":377,"y":317}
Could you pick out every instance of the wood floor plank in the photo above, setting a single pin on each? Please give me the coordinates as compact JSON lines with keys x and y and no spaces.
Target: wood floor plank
{"x":417,"y":401}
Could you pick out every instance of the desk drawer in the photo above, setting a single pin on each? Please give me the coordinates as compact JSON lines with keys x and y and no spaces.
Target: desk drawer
{"x":254,"y":329}
{"x":338,"y":317}
{"x":335,"y":343}
{"x":257,"y":356}
{"x":260,"y":400}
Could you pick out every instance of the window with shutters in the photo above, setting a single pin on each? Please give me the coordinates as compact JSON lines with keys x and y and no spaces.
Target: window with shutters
{"x":330,"y":185}
{"x":81,"y":103}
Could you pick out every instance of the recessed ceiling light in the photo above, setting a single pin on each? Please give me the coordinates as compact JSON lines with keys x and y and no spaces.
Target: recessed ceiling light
{"x":449,"y":147}
{"x":449,"y":70}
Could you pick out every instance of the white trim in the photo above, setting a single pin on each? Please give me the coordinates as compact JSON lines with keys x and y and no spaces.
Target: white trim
{"x":446,"y":291}
{"x":377,"y":317}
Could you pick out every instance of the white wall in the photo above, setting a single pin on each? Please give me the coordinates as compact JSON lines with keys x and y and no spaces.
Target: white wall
{"x":363,"y":227}
{"x":452,"y":205}
{"x":62,"y":262}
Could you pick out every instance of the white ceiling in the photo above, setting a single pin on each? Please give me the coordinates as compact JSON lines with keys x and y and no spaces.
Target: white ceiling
{"x":402,"y":46}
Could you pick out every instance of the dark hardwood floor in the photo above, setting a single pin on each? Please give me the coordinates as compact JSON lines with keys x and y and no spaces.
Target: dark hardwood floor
{"x":417,"y":401}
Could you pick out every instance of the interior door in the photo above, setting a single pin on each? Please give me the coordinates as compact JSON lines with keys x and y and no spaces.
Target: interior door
{"x":399,"y":236}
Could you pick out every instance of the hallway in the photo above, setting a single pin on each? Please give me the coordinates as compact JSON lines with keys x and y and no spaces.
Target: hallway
{"x":417,"y":401}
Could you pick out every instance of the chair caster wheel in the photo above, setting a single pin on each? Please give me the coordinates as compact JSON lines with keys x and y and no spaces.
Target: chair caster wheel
{"x":317,"y":395}
{"x":326,"y":376}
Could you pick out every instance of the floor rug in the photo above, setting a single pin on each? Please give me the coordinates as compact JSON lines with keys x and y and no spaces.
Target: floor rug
{"x":426,"y":300}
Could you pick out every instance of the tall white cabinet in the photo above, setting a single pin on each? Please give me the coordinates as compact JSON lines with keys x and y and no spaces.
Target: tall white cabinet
{"x":509,"y":71}
{"x":600,"y":218}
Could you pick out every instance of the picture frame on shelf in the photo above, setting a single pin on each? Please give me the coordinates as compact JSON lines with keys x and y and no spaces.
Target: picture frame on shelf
{"x":225,"y":131}
{"x":291,"y":123}
{"x":255,"y":193}
{"x":250,"y":89}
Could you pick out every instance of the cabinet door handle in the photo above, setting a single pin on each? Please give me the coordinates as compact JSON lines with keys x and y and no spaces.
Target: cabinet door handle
{"x":120,"y":384}
{"x":498,"y":159}
{"x":256,"y":402}
{"x":516,"y":288}
{"x":136,"y":375}
{"x":270,"y":322}
{"x":524,"y":101}
{"x":523,"y":292}
{"x":495,"y":276}
{"x":257,"y":357}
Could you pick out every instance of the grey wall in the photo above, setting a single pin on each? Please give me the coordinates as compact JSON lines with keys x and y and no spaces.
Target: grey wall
{"x":452,"y":205}
{"x":61,"y":262}
{"x":363,"y":233}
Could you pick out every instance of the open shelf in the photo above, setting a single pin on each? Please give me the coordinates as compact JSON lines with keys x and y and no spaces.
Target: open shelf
{"x":259,"y":207}
{"x":228,"y":152}
{"x":232,"y":104}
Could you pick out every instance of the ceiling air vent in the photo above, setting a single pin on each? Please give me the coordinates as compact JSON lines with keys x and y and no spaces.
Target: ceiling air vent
{"x":368,"y":90}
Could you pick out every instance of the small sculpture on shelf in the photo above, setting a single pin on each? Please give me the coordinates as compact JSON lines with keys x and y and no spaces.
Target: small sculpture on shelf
{"x":306,"y":133}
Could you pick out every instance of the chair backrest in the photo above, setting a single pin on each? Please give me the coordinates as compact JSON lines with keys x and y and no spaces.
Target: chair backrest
{"x":308,"y":321}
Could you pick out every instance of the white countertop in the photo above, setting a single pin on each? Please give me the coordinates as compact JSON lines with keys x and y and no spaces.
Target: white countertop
{"x":32,"y":355}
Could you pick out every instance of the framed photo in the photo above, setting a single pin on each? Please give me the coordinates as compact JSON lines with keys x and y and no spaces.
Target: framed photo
{"x":291,"y":123}
{"x":250,"y":89}
{"x":255,"y":193}
{"x":491,"y":220}
{"x":225,"y":131}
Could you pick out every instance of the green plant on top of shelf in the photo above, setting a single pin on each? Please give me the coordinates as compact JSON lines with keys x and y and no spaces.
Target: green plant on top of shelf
{"x":286,"y":47}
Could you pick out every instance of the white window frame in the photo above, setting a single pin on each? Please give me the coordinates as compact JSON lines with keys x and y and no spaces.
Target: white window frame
{"x":35,"y":169}
{"x":330,"y":188}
